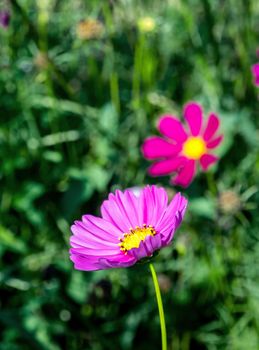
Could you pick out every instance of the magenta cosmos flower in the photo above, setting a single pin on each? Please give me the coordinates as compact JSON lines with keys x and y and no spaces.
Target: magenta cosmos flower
{"x":255,"y":71}
{"x":130,"y":228}
{"x":181,"y":149}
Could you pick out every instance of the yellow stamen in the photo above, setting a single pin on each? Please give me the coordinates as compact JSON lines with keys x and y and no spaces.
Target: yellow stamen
{"x":133,"y":239}
{"x":194,"y":147}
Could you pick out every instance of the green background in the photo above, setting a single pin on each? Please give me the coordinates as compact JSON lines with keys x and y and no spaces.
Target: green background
{"x":74,"y":113}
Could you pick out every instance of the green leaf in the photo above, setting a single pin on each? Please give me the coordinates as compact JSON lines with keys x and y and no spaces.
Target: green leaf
{"x":203,"y":207}
{"x":11,"y":241}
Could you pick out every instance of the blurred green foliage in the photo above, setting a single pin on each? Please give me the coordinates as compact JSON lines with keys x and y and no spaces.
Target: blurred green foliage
{"x":74,"y":112}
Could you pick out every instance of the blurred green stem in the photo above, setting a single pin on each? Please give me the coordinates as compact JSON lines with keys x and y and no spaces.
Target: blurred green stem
{"x":160,"y":307}
{"x":211,"y":183}
{"x":137,"y":72}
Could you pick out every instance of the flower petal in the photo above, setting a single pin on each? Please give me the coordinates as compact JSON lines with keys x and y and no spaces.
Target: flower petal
{"x":141,"y":252}
{"x":193,"y":115}
{"x":172,"y":219}
{"x":101,"y":228}
{"x":172,"y":128}
{"x":214,"y":143}
{"x":91,"y":263}
{"x":173,"y":215}
{"x":85,"y":233}
{"x":84,"y":263}
{"x":207,"y":160}
{"x":77,"y":241}
{"x":161,"y":201}
{"x":104,"y":251}
{"x":153,"y":243}
{"x":153,"y":203}
{"x":165,"y":167}
{"x":122,"y":210}
{"x":255,"y":71}
{"x":156,"y":147}
{"x":186,"y":174}
{"x":132,"y":206}
{"x":121,"y":260}
{"x":255,"y":68}
{"x":112,"y":210}
{"x":87,"y":239}
{"x":211,"y":128}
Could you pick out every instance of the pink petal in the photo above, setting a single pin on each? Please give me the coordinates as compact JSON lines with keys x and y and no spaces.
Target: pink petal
{"x":91,"y":263}
{"x":86,"y":233}
{"x":193,"y":115}
{"x":101,"y":228}
{"x":211,"y":128}
{"x":118,"y":261}
{"x":153,"y":203}
{"x":207,"y":160}
{"x":122,"y":210}
{"x":132,"y":205}
{"x":142,"y":251}
{"x":214,"y":143}
{"x":88,"y":239}
{"x":255,"y":71}
{"x":156,"y":147}
{"x":77,"y":241}
{"x":165,"y":167}
{"x":125,"y":210}
{"x":113,"y":210}
{"x":128,"y":204}
{"x":153,"y":243}
{"x":80,"y":244}
{"x":161,"y":201}
{"x":84,"y":263}
{"x":173,"y":215}
{"x":172,"y":128}
{"x":94,"y":252}
{"x":186,"y":174}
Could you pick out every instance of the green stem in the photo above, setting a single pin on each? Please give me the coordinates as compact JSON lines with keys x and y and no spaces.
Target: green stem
{"x":211,"y":183}
{"x":160,"y":307}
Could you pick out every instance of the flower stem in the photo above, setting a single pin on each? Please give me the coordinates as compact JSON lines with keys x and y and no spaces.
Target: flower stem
{"x":160,"y":307}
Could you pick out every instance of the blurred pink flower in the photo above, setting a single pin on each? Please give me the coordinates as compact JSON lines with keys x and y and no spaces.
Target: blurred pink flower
{"x":130,"y":228}
{"x":4,"y":18}
{"x":181,"y":149}
{"x":255,"y":71}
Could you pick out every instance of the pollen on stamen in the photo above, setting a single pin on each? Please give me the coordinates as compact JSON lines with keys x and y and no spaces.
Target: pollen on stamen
{"x":135,"y":236}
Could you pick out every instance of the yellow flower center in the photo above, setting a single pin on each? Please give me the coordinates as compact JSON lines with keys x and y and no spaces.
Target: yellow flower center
{"x":194,"y":147}
{"x":136,"y":235}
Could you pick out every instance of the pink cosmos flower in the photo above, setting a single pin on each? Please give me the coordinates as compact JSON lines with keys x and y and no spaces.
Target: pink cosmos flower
{"x":255,"y":71}
{"x":130,"y":228}
{"x":181,"y":149}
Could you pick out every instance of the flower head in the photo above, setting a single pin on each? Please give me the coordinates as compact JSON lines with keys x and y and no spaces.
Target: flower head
{"x":229,"y":202}
{"x":183,"y":148}
{"x":233,"y":200}
{"x":89,"y":29}
{"x":130,"y":228}
{"x":255,"y":71}
{"x":4,"y":18}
